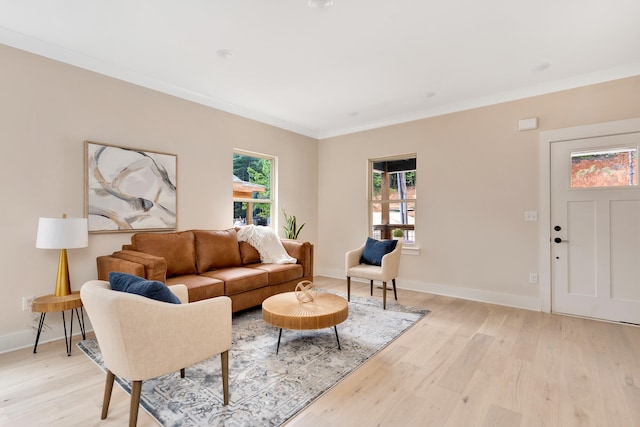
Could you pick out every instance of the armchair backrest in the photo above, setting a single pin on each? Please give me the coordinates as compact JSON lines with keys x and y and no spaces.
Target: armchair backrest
{"x":141,"y":338}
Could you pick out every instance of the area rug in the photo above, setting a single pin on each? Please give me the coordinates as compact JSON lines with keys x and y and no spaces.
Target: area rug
{"x":266,"y":389}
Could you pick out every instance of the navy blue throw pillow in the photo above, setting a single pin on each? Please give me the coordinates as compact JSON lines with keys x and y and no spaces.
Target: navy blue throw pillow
{"x":374,"y":250}
{"x":123,"y":282}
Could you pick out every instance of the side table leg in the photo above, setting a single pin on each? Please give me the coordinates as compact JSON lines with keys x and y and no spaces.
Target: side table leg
{"x":42,"y":315}
{"x":279,"y":336}
{"x":335,"y":328}
{"x":80,"y":322}
{"x":67,"y":342}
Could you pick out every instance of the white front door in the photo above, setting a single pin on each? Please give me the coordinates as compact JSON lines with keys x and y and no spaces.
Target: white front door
{"x":595,"y":221}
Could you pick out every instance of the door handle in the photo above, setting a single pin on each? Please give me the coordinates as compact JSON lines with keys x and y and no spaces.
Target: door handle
{"x":559,"y":240}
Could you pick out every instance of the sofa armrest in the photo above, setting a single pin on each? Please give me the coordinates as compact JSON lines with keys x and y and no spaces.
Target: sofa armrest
{"x":303,"y":252}
{"x":155,"y":267}
{"x":107,"y":263}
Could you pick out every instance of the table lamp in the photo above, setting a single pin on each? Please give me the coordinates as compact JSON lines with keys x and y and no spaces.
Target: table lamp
{"x":62,"y":233}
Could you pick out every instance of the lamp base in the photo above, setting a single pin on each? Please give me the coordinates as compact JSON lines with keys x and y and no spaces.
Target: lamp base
{"x":63,"y":286}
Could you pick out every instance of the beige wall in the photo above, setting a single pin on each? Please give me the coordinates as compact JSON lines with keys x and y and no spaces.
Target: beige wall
{"x":477,"y":175}
{"x":47,"y":110}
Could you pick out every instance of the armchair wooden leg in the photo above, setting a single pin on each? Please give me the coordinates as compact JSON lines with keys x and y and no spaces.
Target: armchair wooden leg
{"x":136,"y":388}
{"x":183,"y":373}
{"x":384,"y":295}
{"x":224,"y":357}
{"x":371,"y":287}
{"x":348,"y":288}
{"x":395,"y":294}
{"x":108,"y":388}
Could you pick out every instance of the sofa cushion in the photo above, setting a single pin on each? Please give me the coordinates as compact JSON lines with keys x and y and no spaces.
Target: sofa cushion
{"x":199,"y":287}
{"x":240,"y":279}
{"x":178,"y":249}
{"x":248,"y":253}
{"x":216,"y":249}
{"x":374,"y":250}
{"x":153,"y":289}
{"x":280,"y":273}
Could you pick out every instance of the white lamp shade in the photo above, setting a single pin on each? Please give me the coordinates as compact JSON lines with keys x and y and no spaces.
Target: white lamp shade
{"x":62,"y":233}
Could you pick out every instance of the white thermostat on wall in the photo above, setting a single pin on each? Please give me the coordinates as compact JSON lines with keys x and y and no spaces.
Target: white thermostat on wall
{"x":528,"y":124}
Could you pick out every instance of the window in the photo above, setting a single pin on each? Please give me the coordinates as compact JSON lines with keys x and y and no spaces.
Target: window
{"x":392,"y":197}
{"x":609,"y":168}
{"x":252,"y":188}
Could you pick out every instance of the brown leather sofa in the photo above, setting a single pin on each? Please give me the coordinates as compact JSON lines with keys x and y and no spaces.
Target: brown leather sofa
{"x":210,"y":263}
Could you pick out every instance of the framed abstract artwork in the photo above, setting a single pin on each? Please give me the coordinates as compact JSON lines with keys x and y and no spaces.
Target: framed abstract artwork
{"x":129,"y":189}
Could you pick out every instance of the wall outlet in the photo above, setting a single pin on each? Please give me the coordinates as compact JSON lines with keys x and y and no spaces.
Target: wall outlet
{"x":26,"y":303}
{"x":533,"y":278}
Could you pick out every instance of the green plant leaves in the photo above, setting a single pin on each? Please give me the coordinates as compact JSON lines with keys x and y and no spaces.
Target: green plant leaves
{"x":291,"y":229}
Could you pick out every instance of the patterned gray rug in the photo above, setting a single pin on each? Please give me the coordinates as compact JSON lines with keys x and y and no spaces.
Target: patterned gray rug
{"x":266,"y":389}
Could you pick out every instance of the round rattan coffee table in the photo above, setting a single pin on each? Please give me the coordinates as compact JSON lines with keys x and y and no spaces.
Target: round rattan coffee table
{"x":285,"y":311}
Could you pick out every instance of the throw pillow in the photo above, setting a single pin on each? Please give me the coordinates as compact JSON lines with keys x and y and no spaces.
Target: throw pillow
{"x":248,"y":253}
{"x":374,"y":250}
{"x":123,"y":282}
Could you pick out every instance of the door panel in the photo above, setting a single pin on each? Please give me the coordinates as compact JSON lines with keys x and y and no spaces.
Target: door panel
{"x":625,"y":259}
{"x":581,"y":254}
{"x":595,"y":240}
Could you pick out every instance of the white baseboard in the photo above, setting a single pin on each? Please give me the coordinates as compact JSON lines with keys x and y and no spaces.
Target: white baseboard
{"x":27,"y":338}
{"x":16,"y":341}
{"x":480,"y":295}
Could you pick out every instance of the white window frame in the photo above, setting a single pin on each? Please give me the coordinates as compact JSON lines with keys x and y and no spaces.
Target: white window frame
{"x":409,"y":245}
{"x":273,"y":185}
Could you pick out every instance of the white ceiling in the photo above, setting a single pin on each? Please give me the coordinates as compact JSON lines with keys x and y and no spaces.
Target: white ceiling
{"x":321,"y":72}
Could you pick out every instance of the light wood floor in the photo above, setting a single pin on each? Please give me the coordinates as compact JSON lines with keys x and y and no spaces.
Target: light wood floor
{"x":465,"y":364}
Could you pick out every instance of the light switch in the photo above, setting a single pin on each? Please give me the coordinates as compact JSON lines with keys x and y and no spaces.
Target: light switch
{"x":531,"y":216}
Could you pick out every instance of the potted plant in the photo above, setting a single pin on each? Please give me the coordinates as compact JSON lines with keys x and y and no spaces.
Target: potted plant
{"x":291,"y":229}
{"x":397,"y":233}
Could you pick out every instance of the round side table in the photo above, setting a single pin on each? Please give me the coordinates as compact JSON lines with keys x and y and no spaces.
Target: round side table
{"x":51,"y":303}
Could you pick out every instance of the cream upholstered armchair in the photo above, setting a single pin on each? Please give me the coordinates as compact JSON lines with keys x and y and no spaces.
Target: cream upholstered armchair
{"x":388,"y":270}
{"x":141,"y":338}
